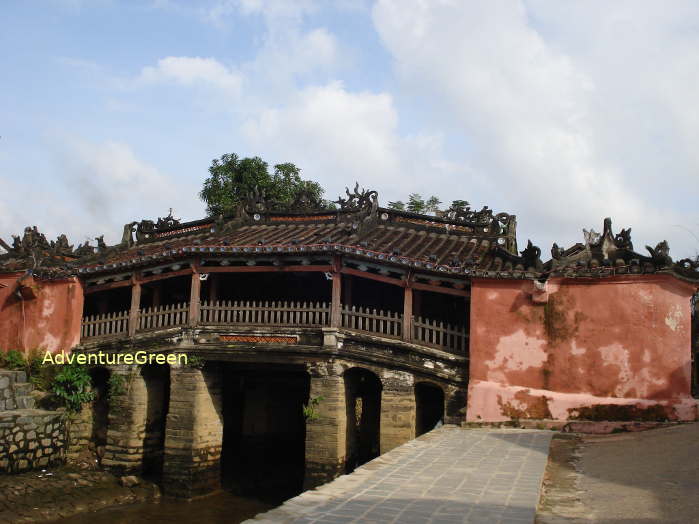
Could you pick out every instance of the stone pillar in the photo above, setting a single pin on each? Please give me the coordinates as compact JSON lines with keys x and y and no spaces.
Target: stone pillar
{"x":326,"y":432}
{"x":194,"y":433}
{"x":455,"y":404}
{"x":397,"y":409}
{"x":127,"y":422}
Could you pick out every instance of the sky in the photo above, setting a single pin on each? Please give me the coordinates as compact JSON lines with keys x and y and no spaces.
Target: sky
{"x":562,"y":113}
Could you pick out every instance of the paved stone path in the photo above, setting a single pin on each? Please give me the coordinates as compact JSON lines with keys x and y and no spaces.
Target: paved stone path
{"x":450,"y":475}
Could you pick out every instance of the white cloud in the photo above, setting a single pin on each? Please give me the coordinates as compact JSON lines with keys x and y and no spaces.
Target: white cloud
{"x":112,"y":186}
{"x":339,"y":137}
{"x":192,"y":71}
{"x":567,"y":134}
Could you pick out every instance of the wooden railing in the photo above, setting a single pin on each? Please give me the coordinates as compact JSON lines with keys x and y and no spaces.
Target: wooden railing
{"x":105,"y":325}
{"x":387,"y":324}
{"x":267,"y":313}
{"x":440,"y":335}
{"x":360,"y":319}
{"x":160,"y":317}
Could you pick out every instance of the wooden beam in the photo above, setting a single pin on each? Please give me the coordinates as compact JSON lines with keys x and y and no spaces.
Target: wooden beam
{"x":107,"y":286}
{"x":135,"y":305}
{"x":373,"y":276}
{"x":440,"y":289}
{"x":265,"y":269}
{"x":161,"y":276}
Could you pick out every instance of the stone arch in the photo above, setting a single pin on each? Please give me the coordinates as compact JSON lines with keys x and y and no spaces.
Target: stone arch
{"x":363,"y":411}
{"x":429,"y":406}
{"x":156,"y":378}
{"x":100,"y":376}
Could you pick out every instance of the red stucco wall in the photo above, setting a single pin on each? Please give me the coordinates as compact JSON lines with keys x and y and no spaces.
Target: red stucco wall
{"x":605,"y":343}
{"x":48,"y":318}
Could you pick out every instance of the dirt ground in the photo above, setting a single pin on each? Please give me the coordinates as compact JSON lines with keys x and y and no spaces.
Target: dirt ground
{"x":649,"y":476}
{"x":53,"y":493}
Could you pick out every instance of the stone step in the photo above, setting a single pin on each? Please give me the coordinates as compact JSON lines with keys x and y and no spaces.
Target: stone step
{"x":22,"y":389}
{"x":25,"y":402}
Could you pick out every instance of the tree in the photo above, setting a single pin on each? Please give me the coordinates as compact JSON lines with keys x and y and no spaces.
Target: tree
{"x":398,"y":205}
{"x":415,"y":203}
{"x":231,"y":179}
{"x":432,"y":204}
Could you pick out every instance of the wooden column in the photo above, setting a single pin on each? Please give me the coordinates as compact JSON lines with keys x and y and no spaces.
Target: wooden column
{"x":336,"y":306}
{"x":135,"y":305}
{"x":194,"y":296}
{"x":408,"y":313}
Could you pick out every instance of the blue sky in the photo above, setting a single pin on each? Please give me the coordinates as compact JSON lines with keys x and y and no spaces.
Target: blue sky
{"x":559,"y":112}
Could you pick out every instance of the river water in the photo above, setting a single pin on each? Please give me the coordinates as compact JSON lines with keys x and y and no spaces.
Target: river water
{"x":222,"y":507}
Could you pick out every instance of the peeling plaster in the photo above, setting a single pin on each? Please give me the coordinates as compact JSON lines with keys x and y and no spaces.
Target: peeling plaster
{"x":674,"y":318}
{"x":516,"y":352}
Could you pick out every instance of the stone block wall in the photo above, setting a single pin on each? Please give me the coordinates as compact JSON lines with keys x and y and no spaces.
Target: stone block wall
{"x":194,"y":433}
{"x":127,"y":423}
{"x":79,"y":426}
{"x":326,"y":434}
{"x":15,"y":391}
{"x":397,"y":409}
{"x":31,"y":439}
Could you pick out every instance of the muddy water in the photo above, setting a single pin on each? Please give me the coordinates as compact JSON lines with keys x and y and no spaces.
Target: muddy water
{"x":218,"y":508}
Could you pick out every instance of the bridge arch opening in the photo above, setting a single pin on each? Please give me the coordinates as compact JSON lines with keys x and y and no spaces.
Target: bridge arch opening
{"x":100,"y":408}
{"x":363,"y":409}
{"x":157,"y":381}
{"x":429,"y":407}
{"x":264,"y":429}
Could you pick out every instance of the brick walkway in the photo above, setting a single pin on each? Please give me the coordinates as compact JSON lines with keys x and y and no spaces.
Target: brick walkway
{"x":449,"y":475}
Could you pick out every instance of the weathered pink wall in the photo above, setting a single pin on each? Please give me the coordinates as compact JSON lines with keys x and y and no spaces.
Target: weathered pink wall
{"x":609,"y":342}
{"x":48,"y":318}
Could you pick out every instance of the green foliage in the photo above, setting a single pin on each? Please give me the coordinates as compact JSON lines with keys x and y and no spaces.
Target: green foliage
{"x":459,"y":204}
{"x":194,"y":361}
{"x":72,"y":386}
{"x":398,"y":205}
{"x":116,"y":385}
{"x":432,"y":204}
{"x":309,"y":410}
{"x":416,"y":204}
{"x":14,"y":359}
{"x":231,"y":179}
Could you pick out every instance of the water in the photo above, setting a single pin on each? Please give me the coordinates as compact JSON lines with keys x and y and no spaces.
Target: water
{"x":222,"y":507}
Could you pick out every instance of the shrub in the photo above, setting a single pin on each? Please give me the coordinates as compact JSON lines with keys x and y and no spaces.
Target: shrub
{"x":72,"y":386}
{"x":14,"y":359}
{"x":116,"y":386}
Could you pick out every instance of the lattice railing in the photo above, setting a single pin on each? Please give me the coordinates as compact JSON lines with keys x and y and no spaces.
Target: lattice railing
{"x":108,"y":324}
{"x":440,"y":335}
{"x":159,"y":317}
{"x":265,"y":313}
{"x":360,"y":319}
{"x":387,"y":324}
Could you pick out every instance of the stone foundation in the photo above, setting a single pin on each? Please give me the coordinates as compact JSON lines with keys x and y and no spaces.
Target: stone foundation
{"x":30,"y":439}
{"x":397,"y":409}
{"x":326,"y":434}
{"x":127,"y":423}
{"x":194,"y":433}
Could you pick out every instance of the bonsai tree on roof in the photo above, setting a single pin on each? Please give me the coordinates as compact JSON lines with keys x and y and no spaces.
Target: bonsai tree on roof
{"x":232,"y":178}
